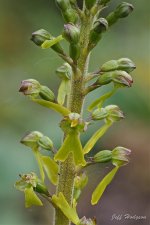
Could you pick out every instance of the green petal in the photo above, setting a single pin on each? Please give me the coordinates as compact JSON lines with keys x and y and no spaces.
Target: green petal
{"x":51,"y":105}
{"x":72,"y":144}
{"x":31,"y":198}
{"x":102,"y":186}
{"x":63,"y":205}
{"x":49,"y":43}
{"x":96,"y":136}
{"x":63,"y":91}
{"x":51,"y":168}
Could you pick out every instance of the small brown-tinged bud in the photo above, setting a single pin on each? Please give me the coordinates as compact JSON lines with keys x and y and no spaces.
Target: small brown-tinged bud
{"x":30,"y":87}
{"x":117,"y":77}
{"x":71,"y":33}
{"x":120,"y":156}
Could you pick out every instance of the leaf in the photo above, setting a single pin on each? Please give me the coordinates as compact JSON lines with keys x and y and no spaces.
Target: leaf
{"x":99,"y":102}
{"x":102,"y":186}
{"x":31,"y":198}
{"x":63,"y":91}
{"x":51,"y":169}
{"x":49,"y":43}
{"x":67,"y":210}
{"x":96,"y":136}
{"x":72,"y":144}
{"x":51,"y":105}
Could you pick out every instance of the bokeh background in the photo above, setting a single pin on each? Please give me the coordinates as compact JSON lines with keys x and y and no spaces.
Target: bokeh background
{"x":20,"y":59}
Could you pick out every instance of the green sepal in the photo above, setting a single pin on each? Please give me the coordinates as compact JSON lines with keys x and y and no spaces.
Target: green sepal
{"x":51,"y":169}
{"x":31,"y":198}
{"x":103,"y":156}
{"x":68,"y":211}
{"x":54,"y":106}
{"x":98,"y":192}
{"x":96,"y":136}
{"x":74,"y":51}
{"x":63,"y":91}
{"x":72,"y":144}
{"x":49,"y":43}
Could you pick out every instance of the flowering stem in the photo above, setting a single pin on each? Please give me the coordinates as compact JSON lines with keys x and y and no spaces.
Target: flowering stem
{"x":75,"y":104}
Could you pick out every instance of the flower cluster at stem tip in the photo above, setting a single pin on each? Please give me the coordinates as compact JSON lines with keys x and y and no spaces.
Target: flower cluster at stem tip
{"x":83,"y":29}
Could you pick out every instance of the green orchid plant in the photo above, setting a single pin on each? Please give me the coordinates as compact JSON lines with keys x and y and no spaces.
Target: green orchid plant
{"x":66,"y":167}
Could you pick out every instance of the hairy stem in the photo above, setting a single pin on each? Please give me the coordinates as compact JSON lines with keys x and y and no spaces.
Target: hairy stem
{"x":75,"y":104}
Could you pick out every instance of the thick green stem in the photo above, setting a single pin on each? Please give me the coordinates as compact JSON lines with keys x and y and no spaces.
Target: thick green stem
{"x":75,"y":104}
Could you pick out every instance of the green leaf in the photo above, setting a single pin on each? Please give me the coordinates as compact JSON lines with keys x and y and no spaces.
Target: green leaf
{"x":51,"y":168}
{"x":96,"y":136}
{"x":51,"y":105}
{"x":99,"y":102}
{"x":31,"y":198}
{"x":72,"y":144}
{"x":49,"y":43}
{"x":102,"y":186}
{"x":63,"y":91}
{"x":68,"y":211}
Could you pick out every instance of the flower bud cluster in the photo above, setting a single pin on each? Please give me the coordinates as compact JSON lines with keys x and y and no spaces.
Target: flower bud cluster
{"x":118,"y":156}
{"x":34,"y":89}
{"x":122,"y":10}
{"x":111,"y":112}
{"x":99,"y":27}
{"x":36,"y":139}
{"x":40,"y":36}
{"x":64,"y":72}
{"x":72,"y":34}
{"x":68,"y":13}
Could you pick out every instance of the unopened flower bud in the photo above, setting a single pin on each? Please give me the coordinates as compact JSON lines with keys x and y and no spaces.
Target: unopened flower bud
{"x":114,"y":113}
{"x":70,"y":16}
{"x":85,"y":221}
{"x":81,"y":181}
{"x":30,"y":87}
{"x":120,"y":156}
{"x":74,"y":51}
{"x":89,"y":3}
{"x":31,"y":139}
{"x":102,"y":156}
{"x":39,"y":36}
{"x":124,"y":64}
{"x":45,"y":143}
{"x":124,"y":9}
{"x":117,"y":76}
{"x":99,"y":27}
{"x":46,"y":94}
{"x":64,"y":71}
{"x":71,"y":33}
{"x":63,"y":4}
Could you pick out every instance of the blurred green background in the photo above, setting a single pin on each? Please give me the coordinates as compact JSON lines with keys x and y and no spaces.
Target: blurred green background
{"x":20,"y":59}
